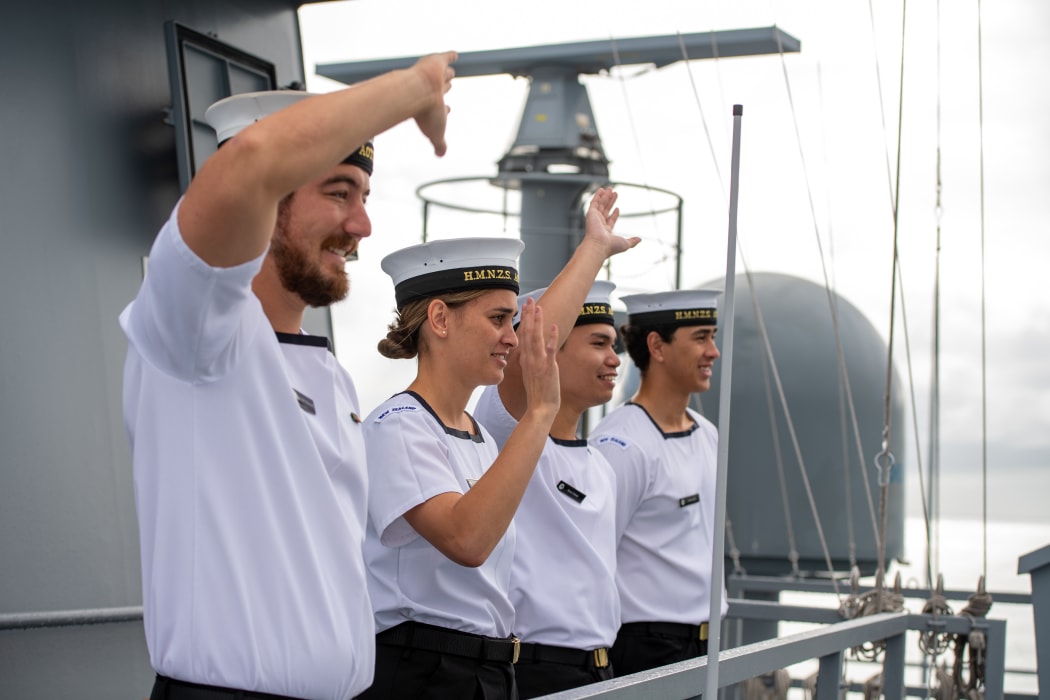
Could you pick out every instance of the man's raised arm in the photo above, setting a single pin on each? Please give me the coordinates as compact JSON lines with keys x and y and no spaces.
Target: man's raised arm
{"x":228,"y":213}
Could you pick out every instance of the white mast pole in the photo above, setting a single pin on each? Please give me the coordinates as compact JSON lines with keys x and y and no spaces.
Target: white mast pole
{"x":725,"y":322}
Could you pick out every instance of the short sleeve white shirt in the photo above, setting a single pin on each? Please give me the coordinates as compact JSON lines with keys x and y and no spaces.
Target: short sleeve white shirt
{"x":665,"y":500}
{"x":563,"y":584}
{"x":413,"y":457}
{"x":250,"y":486}
{"x":491,"y":413}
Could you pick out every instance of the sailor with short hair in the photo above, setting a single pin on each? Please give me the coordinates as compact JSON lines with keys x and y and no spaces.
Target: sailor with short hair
{"x":563,"y":584}
{"x":664,"y":456}
{"x":563,"y":580}
{"x":250,"y":482}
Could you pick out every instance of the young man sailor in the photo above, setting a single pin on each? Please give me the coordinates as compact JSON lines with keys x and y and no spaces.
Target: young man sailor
{"x":562,"y":577}
{"x":664,"y":456}
{"x":250,"y":480}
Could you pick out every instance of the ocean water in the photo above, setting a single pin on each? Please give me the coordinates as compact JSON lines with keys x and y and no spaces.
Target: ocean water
{"x":961,"y":563}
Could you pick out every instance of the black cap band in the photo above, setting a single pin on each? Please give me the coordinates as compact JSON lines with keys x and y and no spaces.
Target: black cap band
{"x":675,"y":317}
{"x":456,"y":280}
{"x":596,"y":313}
{"x":362,"y":157}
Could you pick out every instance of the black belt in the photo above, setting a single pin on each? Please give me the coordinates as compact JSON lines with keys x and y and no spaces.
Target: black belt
{"x":165,"y":688}
{"x":588,"y":658}
{"x":670,"y":629}
{"x":417,"y":635}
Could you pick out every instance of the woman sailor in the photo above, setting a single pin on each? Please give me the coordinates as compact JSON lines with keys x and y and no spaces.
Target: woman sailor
{"x":439,"y":542}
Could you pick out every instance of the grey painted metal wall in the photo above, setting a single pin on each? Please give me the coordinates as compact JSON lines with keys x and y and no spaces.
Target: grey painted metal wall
{"x":88,"y":175}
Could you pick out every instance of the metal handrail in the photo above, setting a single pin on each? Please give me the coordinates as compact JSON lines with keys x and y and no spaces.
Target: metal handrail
{"x":69,"y":618}
{"x":687,"y":679}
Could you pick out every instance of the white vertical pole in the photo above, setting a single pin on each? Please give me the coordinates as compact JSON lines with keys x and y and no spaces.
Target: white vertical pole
{"x":725,"y":323}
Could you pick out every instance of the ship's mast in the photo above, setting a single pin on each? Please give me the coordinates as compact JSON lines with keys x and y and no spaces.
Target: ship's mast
{"x":557,"y":157}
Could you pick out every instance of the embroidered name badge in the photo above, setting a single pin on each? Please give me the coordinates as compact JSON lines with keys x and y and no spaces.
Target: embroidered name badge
{"x":688,"y":500}
{"x":395,"y":409}
{"x":571,"y":491}
{"x":613,"y":440}
{"x":305,"y":402}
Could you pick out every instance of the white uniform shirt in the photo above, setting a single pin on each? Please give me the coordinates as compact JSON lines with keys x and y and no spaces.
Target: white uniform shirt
{"x":250,"y":486}
{"x":665,"y":503}
{"x":563,"y":584}
{"x":491,"y":413}
{"x":413,"y":457}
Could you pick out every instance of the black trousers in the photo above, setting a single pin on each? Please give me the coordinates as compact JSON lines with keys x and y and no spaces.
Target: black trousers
{"x":636,"y":650}
{"x":404,"y":673}
{"x":536,"y":678}
{"x":165,"y":688}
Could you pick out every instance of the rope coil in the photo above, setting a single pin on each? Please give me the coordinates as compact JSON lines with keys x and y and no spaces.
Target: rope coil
{"x":933,"y":643}
{"x":969,"y":648}
{"x":871,"y":603}
{"x":977,"y":607}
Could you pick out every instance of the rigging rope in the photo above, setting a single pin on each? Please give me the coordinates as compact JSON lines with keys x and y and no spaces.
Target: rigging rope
{"x":944,"y":687}
{"x":847,"y":482}
{"x":827,"y":284}
{"x":882,"y":107}
{"x":887,"y":458}
{"x":764,"y":335}
{"x":914,"y":411}
{"x":641,"y":160}
{"x":984,"y":354}
{"x":700,"y":106}
{"x":793,"y":555}
{"x":777,"y":453}
{"x":934,"y":461}
{"x":842,"y":377}
{"x":734,"y":551}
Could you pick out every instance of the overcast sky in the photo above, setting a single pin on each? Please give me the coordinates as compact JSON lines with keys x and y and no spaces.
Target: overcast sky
{"x":837,"y":184}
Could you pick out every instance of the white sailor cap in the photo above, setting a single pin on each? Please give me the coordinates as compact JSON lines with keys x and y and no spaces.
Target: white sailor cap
{"x":596,"y":308}
{"x":231,"y":114}
{"x":683,"y":307}
{"x":453,"y":265}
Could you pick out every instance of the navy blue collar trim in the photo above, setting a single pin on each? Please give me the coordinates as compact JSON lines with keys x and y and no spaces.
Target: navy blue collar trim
{"x":461,"y":434}
{"x":568,"y":443}
{"x":678,"y":434}
{"x":314,"y":341}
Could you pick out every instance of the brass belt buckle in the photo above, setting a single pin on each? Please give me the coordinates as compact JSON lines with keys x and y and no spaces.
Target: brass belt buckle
{"x":601,"y":657}
{"x":703,"y":631}
{"x":517,"y":649}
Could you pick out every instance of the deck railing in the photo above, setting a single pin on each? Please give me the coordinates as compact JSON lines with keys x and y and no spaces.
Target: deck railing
{"x":828,"y":645}
{"x":687,"y":679}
